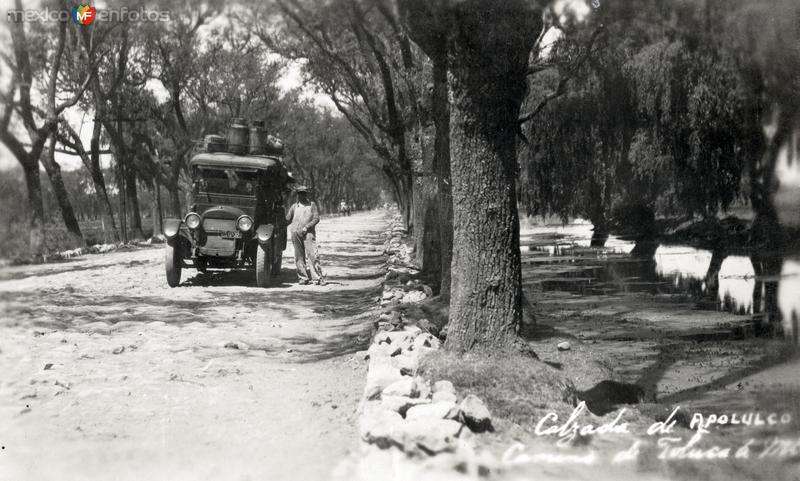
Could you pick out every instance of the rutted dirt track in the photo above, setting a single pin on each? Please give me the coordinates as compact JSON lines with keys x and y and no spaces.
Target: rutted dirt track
{"x":107,"y":373}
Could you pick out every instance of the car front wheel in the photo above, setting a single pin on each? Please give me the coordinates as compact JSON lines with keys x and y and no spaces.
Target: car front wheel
{"x":172,"y":264}
{"x":263,"y":265}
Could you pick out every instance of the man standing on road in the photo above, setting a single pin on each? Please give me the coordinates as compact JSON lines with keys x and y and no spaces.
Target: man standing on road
{"x":303,"y":216}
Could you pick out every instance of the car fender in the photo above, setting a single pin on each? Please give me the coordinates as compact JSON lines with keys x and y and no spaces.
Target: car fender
{"x":171,"y":227}
{"x":264,"y":233}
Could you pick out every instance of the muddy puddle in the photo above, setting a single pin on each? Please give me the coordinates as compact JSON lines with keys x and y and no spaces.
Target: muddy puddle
{"x":706,"y":330}
{"x":758,"y":288}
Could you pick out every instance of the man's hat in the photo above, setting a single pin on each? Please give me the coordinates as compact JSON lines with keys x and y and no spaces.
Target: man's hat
{"x":301,"y":188}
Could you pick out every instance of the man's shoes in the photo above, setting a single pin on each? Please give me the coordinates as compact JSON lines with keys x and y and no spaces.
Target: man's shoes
{"x":321,"y":282}
{"x":303,"y":282}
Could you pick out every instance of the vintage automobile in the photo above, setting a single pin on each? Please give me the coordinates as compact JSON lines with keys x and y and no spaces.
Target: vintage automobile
{"x":235,"y":217}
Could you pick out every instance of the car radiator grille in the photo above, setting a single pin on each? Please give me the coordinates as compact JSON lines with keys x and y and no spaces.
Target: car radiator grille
{"x":215,"y":226}
{"x":214,"y":243}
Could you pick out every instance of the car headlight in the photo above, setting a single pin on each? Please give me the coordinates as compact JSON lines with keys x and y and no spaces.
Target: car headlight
{"x":192,"y":220}
{"x":244,"y":223}
{"x":171,"y":227}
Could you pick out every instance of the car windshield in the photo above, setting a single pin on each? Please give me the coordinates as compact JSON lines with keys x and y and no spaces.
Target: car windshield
{"x":226,"y":181}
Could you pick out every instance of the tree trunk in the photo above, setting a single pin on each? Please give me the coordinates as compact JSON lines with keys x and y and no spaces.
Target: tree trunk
{"x":712,"y":273}
{"x":59,"y":189}
{"x":767,"y":268}
{"x":174,"y":199}
{"x":36,"y":205}
{"x":121,"y":196}
{"x":157,"y":219}
{"x":600,"y":231}
{"x":487,"y":52}
{"x":643,"y":219}
{"x":100,"y":185}
{"x":132,"y":192}
{"x":441,"y":170}
{"x":766,"y":230}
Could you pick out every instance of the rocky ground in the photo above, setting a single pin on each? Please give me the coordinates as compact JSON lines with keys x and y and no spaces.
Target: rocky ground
{"x":110,"y":374}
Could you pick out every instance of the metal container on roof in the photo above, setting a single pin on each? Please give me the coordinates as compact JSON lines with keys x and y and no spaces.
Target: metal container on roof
{"x":258,"y":138}
{"x":238,"y":136}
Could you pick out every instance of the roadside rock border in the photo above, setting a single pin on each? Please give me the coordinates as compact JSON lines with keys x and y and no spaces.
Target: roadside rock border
{"x":408,"y":427}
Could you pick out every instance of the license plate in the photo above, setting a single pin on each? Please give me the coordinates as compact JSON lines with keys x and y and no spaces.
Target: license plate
{"x":232,"y":235}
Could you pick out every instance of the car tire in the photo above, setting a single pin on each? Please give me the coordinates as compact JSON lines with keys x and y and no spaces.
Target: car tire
{"x":172,"y":263}
{"x":276,"y":266}
{"x":263,"y":265}
{"x":201,"y":265}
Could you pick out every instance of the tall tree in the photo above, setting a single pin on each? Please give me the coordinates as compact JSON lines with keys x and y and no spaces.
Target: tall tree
{"x":353,"y":52}
{"x":45,"y":71}
{"x":487,"y":48}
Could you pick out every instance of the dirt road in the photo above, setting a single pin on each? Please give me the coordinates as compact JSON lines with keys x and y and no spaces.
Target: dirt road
{"x":107,"y":373}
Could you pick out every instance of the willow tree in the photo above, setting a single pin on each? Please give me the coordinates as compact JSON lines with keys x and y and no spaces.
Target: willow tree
{"x":764,"y":37}
{"x":657,"y":121}
{"x":580,"y":139}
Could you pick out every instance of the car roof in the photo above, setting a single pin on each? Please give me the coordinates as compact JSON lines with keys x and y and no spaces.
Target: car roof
{"x":225,"y":159}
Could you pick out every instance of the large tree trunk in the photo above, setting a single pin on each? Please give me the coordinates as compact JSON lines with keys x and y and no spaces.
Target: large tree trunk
{"x":487,"y":51}
{"x":441,"y":169}
{"x":766,"y":230}
{"x":428,"y":26}
{"x":59,"y":189}
{"x":36,"y":205}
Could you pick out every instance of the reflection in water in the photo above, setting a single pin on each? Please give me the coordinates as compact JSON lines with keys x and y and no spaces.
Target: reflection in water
{"x":764,"y":285}
{"x":789,"y":298}
{"x":737,"y":279}
{"x":575,"y":234}
{"x":680,"y":263}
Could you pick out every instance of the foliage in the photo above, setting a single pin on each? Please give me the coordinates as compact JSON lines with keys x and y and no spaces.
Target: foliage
{"x":326,"y":154}
{"x":659,"y":116}
{"x":356,"y":52}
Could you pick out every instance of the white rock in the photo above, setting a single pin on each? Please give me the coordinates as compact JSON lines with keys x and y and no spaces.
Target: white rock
{"x":413,"y":330}
{"x":475,"y":413}
{"x":382,"y":375}
{"x":408,"y":365}
{"x":429,"y":436}
{"x":564,"y":346}
{"x":423,"y":386}
{"x":378,"y":426}
{"x":436,"y":410}
{"x":444,"y":396}
{"x":413,"y":296}
{"x":383,"y":350}
{"x":426,"y":341}
{"x":406,"y":387}
{"x":443,"y":386}
{"x":401,"y":404}
{"x":396,"y":337}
